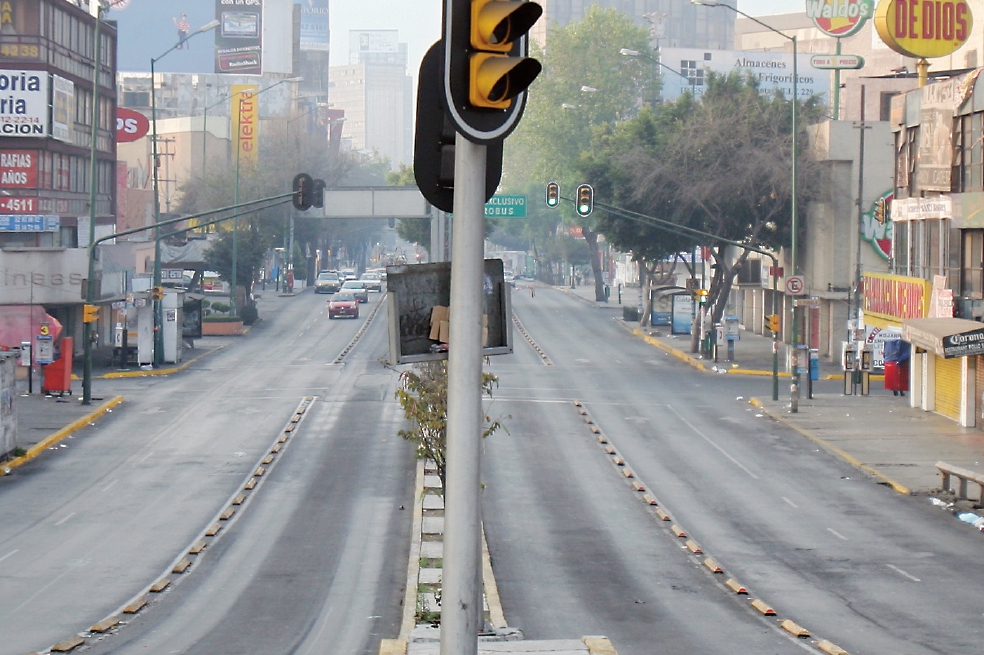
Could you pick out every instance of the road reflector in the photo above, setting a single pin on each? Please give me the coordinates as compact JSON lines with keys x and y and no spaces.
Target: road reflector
{"x":678,"y":531}
{"x":160,"y":585}
{"x":198,"y":547}
{"x":282,"y":438}
{"x":762,"y":607}
{"x":736,"y":586}
{"x":276,"y":448}
{"x":67,"y":645}
{"x":213,"y":529}
{"x":662,"y":514}
{"x":105,"y":625}
{"x":795,"y":629}
{"x":259,"y":471}
{"x":136,"y":605}
{"x":713,"y":565}
{"x":830,"y":648}
{"x":651,"y":499}
{"x":627,"y":472}
{"x":693,"y":546}
{"x":249,"y":484}
{"x":638,"y":486}
{"x":238,"y":500}
{"x":227,"y":514}
{"x":182,"y":566}
{"x":268,"y":459}
{"x":602,"y":439}
{"x":618,"y":460}
{"x":610,"y":449}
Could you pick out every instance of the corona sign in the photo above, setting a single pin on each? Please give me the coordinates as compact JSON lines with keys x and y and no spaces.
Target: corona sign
{"x":924,"y":28}
{"x":839,"y":18}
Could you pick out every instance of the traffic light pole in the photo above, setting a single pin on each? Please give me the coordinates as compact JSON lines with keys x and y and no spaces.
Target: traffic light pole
{"x":462,"y":593}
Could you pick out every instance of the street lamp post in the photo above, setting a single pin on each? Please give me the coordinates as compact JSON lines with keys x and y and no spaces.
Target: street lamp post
{"x":235,"y":222}
{"x":795,"y":387}
{"x":158,"y":323}
{"x":626,"y":52}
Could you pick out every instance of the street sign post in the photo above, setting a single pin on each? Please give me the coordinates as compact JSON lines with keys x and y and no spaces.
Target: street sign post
{"x":795,"y":285}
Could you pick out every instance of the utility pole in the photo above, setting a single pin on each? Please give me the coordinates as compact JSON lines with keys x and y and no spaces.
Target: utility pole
{"x":855,"y":306}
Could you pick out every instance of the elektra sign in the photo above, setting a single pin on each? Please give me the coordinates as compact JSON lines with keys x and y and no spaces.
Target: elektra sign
{"x":23,"y":103}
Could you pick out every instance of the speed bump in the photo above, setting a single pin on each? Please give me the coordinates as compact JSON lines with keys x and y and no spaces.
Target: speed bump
{"x":181,"y":566}
{"x":160,"y":585}
{"x":105,"y":625}
{"x":795,"y":629}
{"x":64,"y":646}
{"x":136,"y":605}
{"x":763,"y":607}
{"x":831,"y":648}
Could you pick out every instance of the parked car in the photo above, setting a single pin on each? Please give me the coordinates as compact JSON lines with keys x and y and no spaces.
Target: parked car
{"x":372,"y":281}
{"x":327,"y":282}
{"x":343,"y":304}
{"x":357,"y":288}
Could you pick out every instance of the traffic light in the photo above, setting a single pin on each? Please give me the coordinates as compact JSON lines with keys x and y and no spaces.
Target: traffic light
{"x":487,"y":71}
{"x":701,"y":296}
{"x":772,"y":323}
{"x":584,"y":204}
{"x":318,"y":194}
{"x":90,"y":313}
{"x":303,"y":191}
{"x":157,"y":293}
{"x":553,"y":194}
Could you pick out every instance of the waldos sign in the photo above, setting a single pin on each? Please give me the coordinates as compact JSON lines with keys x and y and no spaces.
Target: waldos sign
{"x":924,"y":28}
{"x":839,"y":18}
{"x":877,"y":227}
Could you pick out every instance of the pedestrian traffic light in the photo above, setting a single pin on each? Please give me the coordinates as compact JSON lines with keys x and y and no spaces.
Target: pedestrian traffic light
{"x":584,"y":204}
{"x":157,"y":293}
{"x":772,"y":323}
{"x":553,"y":194}
{"x":90,"y":313}
{"x":303,"y":191}
{"x":487,"y":70}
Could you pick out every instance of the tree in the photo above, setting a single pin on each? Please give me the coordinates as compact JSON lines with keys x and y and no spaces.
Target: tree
{"x":423,"y":395}
{"x":560,"y":116}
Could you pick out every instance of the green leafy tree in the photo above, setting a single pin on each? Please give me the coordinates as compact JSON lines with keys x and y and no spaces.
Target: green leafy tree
{"x":561,"y":117}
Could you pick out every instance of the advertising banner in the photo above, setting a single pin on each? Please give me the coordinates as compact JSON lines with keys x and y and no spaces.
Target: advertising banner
{"x":24,"y":105}
{"x":245,"y":122}
{"x":18,"y":169}
{"x":314,"y":25}
{"x":62,"y":108}
{"x":239,"y":37}
{"x":936,"y":137}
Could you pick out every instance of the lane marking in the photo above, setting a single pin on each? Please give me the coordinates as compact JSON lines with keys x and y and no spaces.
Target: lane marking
{"x":66,"y":518}
{"x":837,"y":534}
{"x":9,"y":554}
{"x":904,"y":573}
{"x":110,"y":485}
{"x":710,"y":441}
{"x":791,"y":503}
{"x":145,"y":457}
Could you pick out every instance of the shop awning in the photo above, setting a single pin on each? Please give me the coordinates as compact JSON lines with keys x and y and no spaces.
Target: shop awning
{"x":947,"y":337}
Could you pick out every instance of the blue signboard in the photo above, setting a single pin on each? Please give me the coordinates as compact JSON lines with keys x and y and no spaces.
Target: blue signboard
{"x":28,"y":223}
{"x":314,"y":25}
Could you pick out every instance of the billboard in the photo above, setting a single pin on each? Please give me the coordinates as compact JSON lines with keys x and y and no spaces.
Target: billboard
{"x":372,"y":41}
{"x":239,"y":36}
{"x":62,"y":108}
{"x":774,"y":71}
{"x":314,"y":25}
{"x":24,"y":110}
{"x":245,"y":113}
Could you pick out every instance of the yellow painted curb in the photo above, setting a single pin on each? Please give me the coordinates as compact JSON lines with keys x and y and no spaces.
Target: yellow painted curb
{"x":392,"y":647}
{"x":599,"y":646}
{"x":156,"y":371}
{"x":850,"y":459}
{"x":496,"y":616}
{"x":55,"y":437}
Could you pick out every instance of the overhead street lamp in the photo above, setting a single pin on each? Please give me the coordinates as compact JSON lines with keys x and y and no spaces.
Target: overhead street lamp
{"x":626,"y":52}
{"x":158,"y":323}
{"x":235,"y":223}
{"x":794,"y":395}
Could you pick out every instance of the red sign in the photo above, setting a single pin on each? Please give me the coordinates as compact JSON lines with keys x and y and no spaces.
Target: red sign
{"x":130,"y":125}
{"x":18,"y":169}
{"x":11,"y":205}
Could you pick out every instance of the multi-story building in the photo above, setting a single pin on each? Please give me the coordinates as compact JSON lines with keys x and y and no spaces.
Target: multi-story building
{"x":376,"y":94}
{"x":673,"y":23}
{"x":47,"y":64}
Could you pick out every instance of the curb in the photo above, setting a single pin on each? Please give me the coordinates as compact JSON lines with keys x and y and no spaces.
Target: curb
{"x":55,"y":437}
{"x":158,"y":371}
{"x":850,"y":459}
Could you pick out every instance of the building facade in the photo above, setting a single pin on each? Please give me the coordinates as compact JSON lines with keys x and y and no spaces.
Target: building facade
{"x":47,"y":64}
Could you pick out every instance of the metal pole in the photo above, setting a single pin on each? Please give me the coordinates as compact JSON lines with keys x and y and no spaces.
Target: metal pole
{"x":204,"y":139}
{"x":235,"y":223}
{"x":794,"y":391}
{"x":158,"y":337}
{"x":837,"y":85}
{"x":93,"y":187}
{"x":775,"y":335}
{"x":462,"y":527}
{"x":856,"y":296}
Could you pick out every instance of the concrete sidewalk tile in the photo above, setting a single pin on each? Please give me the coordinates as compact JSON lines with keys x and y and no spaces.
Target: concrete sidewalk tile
{"x":432,"y":549}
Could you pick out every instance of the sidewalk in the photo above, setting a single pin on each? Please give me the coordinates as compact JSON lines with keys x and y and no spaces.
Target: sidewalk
{"x":880,"y":434}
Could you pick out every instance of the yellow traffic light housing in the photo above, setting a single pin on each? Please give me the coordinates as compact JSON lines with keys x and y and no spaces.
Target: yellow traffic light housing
{"x":584,"y":202}
{"x":90,"y":313}
{"x":772,"y":323}
{"x":553,"y":194}
{"x":157,"y":293}
{"x":701,"y":296}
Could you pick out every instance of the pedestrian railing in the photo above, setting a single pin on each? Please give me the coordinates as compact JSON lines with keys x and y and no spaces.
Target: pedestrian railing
{"x":963,"y":476}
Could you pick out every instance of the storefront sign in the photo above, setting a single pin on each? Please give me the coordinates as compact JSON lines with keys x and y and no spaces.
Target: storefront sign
{"x":964,"y":344}
{"x":23,"y":103}
{"x":29,"y":223}
{"x":839,"y":18}
{"x":18,"y":169}
{"x":877,"y":227}
{"x":130,"y":125}
{"x":15,"y":205}
{"x":922,"y":209}
{"x":837,"y":62}
{"x":895,"y":297}
{"x":924,"y":28}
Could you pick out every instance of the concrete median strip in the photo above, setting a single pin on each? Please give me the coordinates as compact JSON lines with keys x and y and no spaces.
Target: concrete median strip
{"x":56,"y":437}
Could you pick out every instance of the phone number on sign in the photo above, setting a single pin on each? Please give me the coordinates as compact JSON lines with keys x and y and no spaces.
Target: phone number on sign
{"x":18,"y":205}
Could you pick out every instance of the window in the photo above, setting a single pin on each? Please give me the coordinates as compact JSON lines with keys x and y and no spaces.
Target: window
{"x":690,"y":70}
{"x":968,"y":154}
{"x":972,"y":264}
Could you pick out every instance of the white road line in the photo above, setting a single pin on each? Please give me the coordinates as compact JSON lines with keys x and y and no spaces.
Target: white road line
{"x":710,"y":441}
{"x":145,"y":457}
{"x":837,"y":534}
{"x":901,"y":572}
{"x":791,"y":503}
{"x":110,"y":485}
{"x":9,"y":554}
{"x":66,"y":518}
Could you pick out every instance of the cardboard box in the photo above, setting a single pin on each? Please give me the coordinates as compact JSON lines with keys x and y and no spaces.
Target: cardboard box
{"x":439,"y":314}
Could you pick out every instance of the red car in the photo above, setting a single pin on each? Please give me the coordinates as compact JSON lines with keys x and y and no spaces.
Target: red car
{"x":343,"y":304}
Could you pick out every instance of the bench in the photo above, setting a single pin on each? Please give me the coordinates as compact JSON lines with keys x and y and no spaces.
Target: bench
{"x":963,"y":476}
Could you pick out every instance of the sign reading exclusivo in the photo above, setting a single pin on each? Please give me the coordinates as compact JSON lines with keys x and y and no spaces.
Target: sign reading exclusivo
{"x":239,"y":37}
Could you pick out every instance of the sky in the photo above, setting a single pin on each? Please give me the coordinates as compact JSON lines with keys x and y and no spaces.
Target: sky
{"x":147,"y":28}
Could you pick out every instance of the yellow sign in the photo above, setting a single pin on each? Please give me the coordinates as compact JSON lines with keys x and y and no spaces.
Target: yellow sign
{"x":924,"y":28}
{"x":245,"y":121}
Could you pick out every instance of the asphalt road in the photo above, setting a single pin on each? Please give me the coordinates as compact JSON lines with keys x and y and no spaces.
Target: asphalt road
{"x":316,"y":556}
{"x":575,"y":552}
